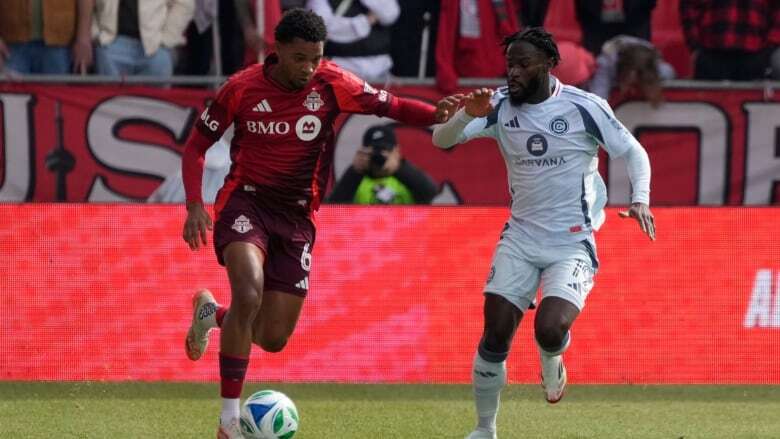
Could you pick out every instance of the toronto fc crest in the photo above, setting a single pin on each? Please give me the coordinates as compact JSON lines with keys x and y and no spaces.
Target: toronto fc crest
{"x":313,"y":101}
{"x":242,"y":224}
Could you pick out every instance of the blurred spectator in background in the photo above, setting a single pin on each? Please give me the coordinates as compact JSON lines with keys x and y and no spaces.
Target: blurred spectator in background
{"x":359,"y":34}
{"x":239,"y":46}
{"x":46,"y":36}
{"x":633,"y":66}
{"x":137,"y":37}
{"x":289,"y":4}
{"x":731,"y":39}
{"x":257,"y":18}
{"x":380,"y":175}
{"x":413,"y":42}
{"x":602,"y":20}
{"x":532,"y":12}
{"x":468,"y":43}
{"x":576,"y":66}
{"x":216,"y":167}
{"x":775,"y":64}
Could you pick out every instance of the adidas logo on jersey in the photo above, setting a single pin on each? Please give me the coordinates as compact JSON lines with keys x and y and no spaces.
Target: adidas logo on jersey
{"x":513,"y":123}
{"x":303,"y":284}
{"x":262,"y":107}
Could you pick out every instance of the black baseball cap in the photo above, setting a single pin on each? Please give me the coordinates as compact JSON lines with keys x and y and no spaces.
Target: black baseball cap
{"x":382,"y":136}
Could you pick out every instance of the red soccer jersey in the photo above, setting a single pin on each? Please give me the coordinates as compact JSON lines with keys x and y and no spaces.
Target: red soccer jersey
{"x":284,"y":140}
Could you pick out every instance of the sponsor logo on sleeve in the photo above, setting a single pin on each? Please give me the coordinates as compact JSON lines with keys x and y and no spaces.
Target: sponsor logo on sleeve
{"x":368,"y":89}
{"x":208,"y":122}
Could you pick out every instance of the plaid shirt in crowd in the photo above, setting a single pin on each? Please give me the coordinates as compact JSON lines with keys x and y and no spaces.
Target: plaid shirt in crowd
{"x":749,"y":25}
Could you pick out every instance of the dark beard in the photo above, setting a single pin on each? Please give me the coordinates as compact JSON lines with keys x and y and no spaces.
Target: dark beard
{"x":521,"y":98}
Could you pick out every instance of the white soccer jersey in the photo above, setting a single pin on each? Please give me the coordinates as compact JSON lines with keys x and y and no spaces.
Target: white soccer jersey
{"x":550,"y":150}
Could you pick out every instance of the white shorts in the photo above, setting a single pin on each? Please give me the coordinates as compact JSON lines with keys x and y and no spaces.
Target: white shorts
{"x":520,"y":264}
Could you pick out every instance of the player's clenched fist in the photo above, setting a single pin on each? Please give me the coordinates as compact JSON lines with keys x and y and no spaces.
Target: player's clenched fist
{"x":478,"y":102}
{"x":198,"y":221}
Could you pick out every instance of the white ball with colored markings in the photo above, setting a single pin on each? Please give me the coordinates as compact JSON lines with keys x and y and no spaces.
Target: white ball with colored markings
{"x":269,"y":414}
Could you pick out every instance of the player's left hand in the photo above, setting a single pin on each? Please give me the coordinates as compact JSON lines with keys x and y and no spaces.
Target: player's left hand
{"x":644,"y":217}
{"x":446,"y":107}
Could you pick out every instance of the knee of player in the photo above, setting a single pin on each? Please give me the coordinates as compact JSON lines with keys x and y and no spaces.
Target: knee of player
{"x":273,"y":344}
{"x":550,"y":335}
{"x":246,"y":302}
{"x":496,"y":341}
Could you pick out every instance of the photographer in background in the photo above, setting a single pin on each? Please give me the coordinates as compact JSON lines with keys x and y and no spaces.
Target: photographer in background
{"x":379,"y":175}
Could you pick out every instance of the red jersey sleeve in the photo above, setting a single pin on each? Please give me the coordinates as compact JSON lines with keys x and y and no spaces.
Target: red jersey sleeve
{"x":218,"y":116}
{"x":213,"y":122}
{"x":355,"y":95}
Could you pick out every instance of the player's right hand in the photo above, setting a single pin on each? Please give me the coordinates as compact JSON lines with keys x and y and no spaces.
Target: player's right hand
{"x":196,"y":226}
{"x":478,"y":102}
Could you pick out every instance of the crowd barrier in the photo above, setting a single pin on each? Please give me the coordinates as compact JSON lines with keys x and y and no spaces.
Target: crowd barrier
{"x":102,"y":292}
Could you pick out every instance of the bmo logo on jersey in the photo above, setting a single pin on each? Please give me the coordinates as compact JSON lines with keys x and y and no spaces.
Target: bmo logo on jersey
{"x":267,"y":127}
{"x":308,"y":127}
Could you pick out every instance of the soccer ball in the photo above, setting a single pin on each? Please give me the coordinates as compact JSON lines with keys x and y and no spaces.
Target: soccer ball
{"x":269,"y":414}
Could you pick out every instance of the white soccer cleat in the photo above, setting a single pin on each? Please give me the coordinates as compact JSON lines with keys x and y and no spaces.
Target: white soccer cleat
{"x":553,"y":377}
{"x":230,"y":431}
{"x":204,"y":318}
{"x":482,"y":434}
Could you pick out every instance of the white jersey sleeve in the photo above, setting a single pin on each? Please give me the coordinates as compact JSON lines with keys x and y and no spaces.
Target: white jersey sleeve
{"x":604,"y":128}
{"x":461,"y":127}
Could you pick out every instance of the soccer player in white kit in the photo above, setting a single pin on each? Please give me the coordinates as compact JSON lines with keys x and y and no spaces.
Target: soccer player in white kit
{"x":549,"y":135}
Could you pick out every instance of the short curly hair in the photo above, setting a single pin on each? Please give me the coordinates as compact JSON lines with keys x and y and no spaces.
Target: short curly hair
{"x":538,"y":37}
{"x":300,"y":23}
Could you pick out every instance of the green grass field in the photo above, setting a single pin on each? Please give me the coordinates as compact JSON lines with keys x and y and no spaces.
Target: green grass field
{"x":338,"y":411}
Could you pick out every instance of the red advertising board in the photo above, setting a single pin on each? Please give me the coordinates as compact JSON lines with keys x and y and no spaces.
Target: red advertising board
{"x":708,"y":146}
{"x":101,"y":292}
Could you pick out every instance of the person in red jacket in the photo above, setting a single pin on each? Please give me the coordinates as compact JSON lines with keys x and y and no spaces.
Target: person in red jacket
{"x":474,"y":31}
{"x":283,"y":113}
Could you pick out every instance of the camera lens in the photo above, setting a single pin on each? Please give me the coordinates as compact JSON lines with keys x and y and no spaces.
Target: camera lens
{"x":378,"y":159}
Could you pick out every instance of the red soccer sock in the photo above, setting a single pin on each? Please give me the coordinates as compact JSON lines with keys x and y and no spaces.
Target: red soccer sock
{"x":232,"y":371}
{"x":220,"y":314}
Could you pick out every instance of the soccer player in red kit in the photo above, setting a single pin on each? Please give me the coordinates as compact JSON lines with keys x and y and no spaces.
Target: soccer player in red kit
{"x":283,"y":112}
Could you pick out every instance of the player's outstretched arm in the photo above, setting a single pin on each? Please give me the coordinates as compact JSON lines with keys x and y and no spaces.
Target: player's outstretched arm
{"x":638,"y":164}
{"x":475,"y":104}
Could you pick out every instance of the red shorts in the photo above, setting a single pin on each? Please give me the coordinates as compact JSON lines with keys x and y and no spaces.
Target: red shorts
{"x":286,"y":239}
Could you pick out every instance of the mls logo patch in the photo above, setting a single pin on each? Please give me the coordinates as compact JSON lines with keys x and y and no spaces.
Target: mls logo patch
{"x":313,"y":101}
{"x":536,"y":145}
{"x":559,"y":126}
{"x":242,"y":224}
{"x":492,"y":274}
